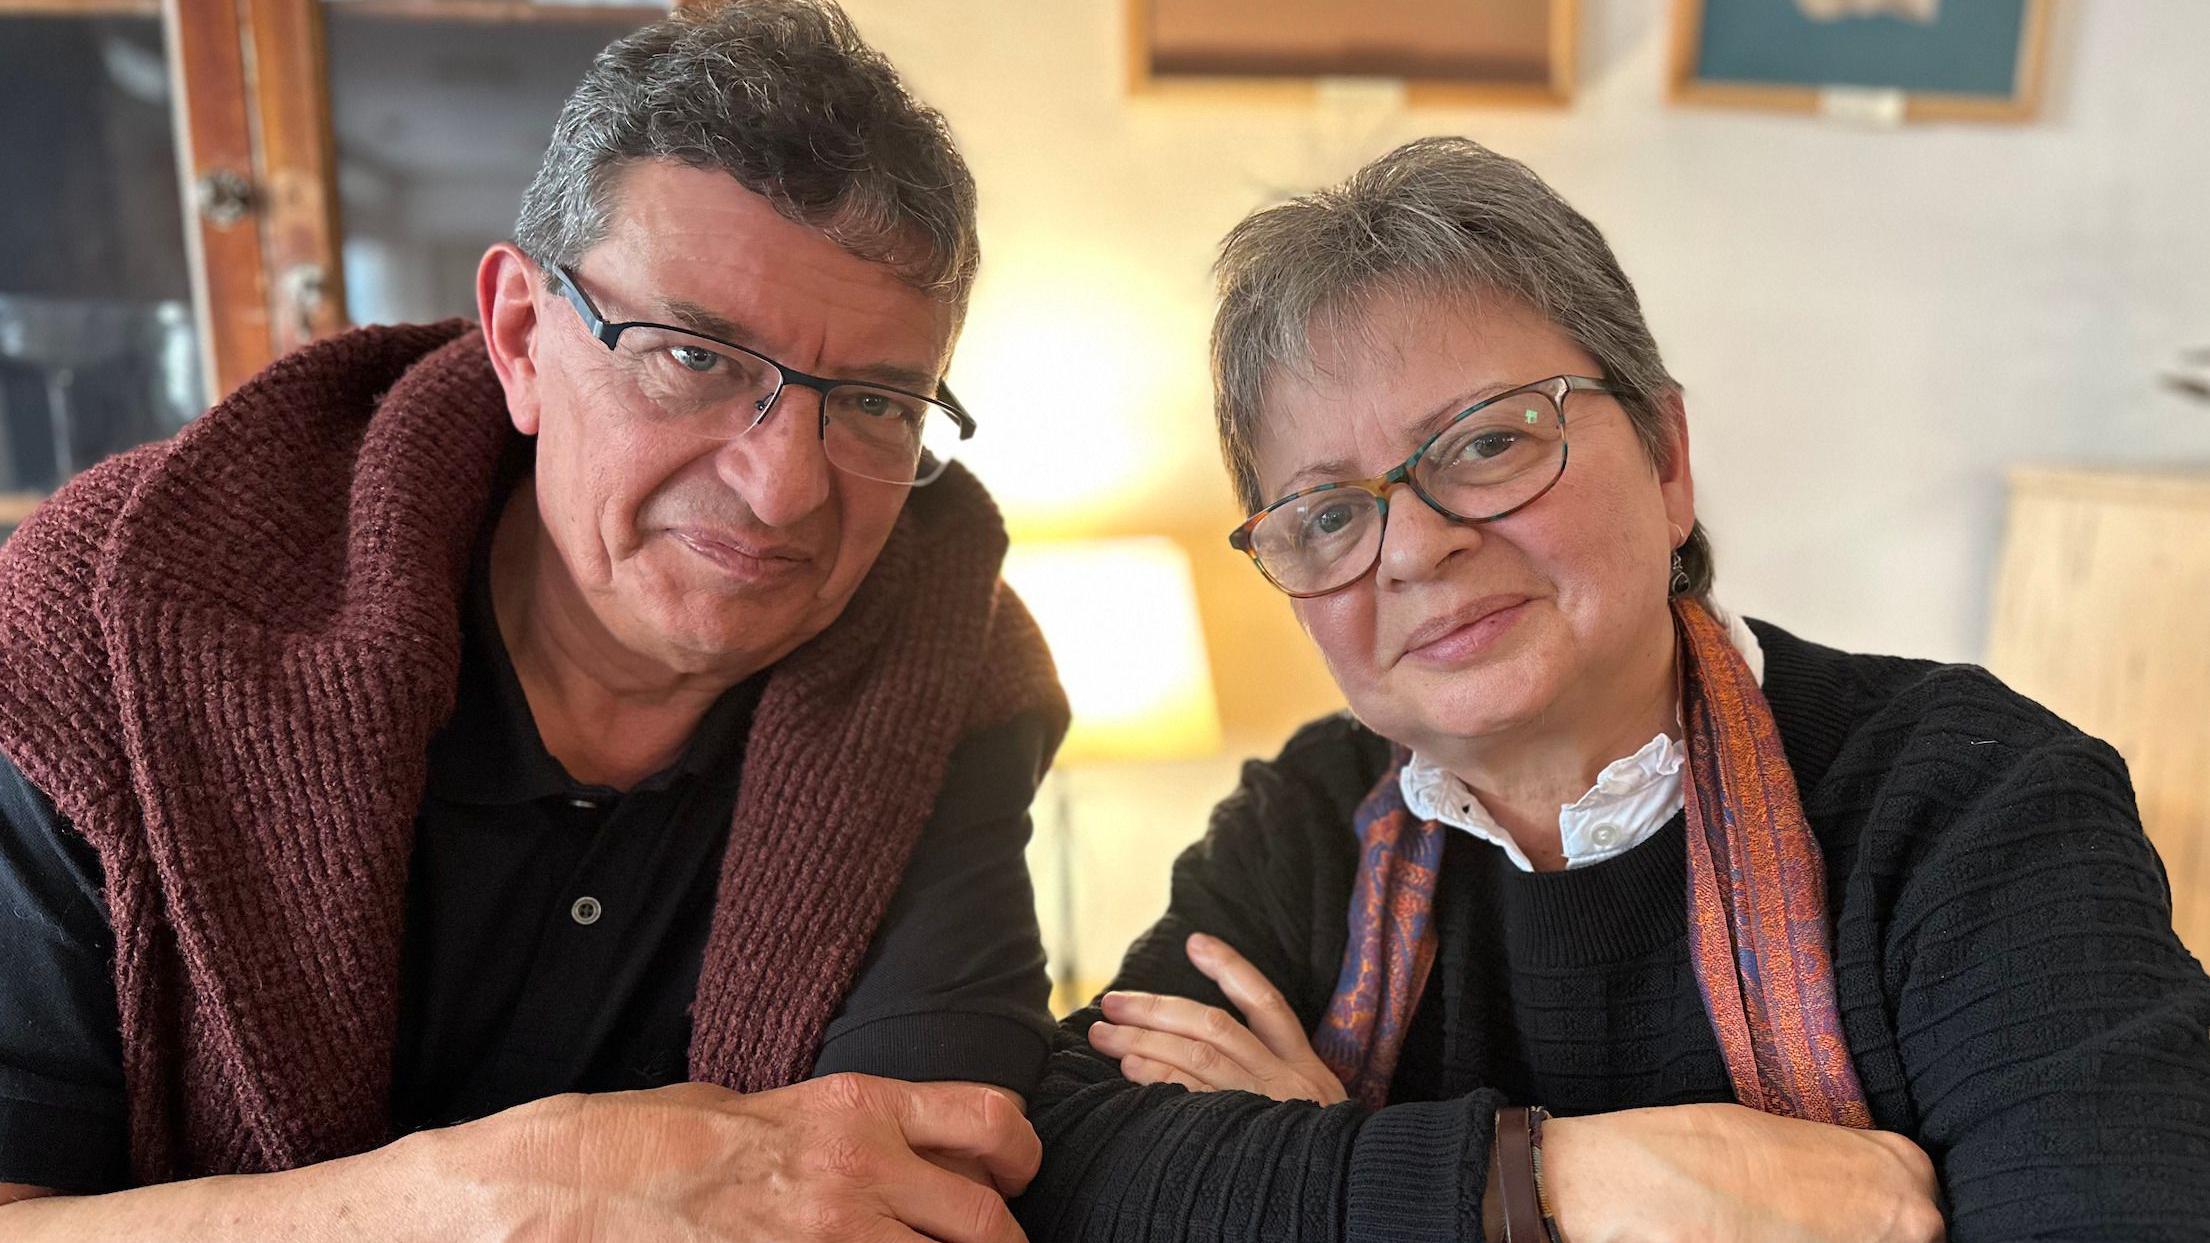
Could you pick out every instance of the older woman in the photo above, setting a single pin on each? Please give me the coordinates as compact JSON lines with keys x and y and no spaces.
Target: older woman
{"x":1794,"y":944}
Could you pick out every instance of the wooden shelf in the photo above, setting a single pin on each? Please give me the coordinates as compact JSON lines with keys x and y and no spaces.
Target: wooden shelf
{"x":16,"y":506}
{"x":80,"y":8}
{"x":2103,"y":583}
{"x":494,"y":12}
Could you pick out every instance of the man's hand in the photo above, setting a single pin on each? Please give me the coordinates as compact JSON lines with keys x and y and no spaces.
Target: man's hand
{"x":1726,"y":1174}
{"x":1162,"y":1039}
{"x":846,"y":1157}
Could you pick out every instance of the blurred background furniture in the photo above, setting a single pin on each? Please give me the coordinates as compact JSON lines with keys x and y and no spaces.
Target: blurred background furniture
{"x":199,"y":186}
{"x":83,"y":378}
{"x":2102,"y":613}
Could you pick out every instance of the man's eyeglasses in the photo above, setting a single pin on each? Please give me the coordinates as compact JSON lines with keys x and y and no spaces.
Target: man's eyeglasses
{"x":1491,"y":460}
{"x":717,"y":389}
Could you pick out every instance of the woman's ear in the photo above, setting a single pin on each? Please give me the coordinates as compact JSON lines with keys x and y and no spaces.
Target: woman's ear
{"x":1675,"y":482}
{"x":506,"y":302}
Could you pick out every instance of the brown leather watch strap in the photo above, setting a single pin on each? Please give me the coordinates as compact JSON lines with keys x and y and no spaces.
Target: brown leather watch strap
{"x":1515,"y":1176}
{"x":1536,"y":1116}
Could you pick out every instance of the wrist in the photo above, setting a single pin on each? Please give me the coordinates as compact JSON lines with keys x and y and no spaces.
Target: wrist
{"x":337,"y":1200}
{"x":1518,"y":1147}
{"x":1566,"y":1144}
{"x":435,"y":1183}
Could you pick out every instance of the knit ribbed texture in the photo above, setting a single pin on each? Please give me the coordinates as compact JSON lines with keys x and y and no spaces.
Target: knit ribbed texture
{"x":1406,"y":1154}
{"x":223,"y":657}
{"x":2010,"y":988}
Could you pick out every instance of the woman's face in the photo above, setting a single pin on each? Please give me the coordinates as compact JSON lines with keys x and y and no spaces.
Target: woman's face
{"x":1551,"y":621}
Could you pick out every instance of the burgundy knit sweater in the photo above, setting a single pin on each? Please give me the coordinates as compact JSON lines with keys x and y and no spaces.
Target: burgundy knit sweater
{"x":223,"y":656}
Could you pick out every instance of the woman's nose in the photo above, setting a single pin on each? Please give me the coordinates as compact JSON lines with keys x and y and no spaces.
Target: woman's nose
{"x":1419,"y":539}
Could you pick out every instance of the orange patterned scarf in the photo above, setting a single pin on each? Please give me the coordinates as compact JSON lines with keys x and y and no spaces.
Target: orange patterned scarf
{"x":1757,"y":924}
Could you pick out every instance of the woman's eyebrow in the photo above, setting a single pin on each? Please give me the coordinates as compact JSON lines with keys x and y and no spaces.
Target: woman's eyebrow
{"x":1335,"y":469}
{"x":1458,"y":405}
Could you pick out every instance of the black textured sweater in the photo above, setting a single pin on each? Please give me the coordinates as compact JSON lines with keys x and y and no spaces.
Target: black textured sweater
{"x":2013,"y":994}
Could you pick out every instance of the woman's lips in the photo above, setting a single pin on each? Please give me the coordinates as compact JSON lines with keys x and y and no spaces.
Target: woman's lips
{"x":746,"y":562}
{"x":1464,"y":635}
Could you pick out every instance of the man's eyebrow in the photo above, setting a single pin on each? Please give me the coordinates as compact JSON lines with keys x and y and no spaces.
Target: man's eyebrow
{"x":1336,"y":469}
{"x":687,"y":314}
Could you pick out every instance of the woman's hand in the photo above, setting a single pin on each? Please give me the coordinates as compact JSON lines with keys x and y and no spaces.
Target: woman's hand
{"x":1204,"y":1048}
{"x":1726,"y":1174}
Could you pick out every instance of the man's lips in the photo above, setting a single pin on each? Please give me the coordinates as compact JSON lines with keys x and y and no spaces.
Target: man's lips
{"x":744,"y":557}
{"x":1446,"y":625}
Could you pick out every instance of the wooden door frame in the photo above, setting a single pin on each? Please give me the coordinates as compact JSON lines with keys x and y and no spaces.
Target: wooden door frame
{"x":254,"y":106}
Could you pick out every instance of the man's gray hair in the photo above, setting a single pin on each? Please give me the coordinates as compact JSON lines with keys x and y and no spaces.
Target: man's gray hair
{"x":1443,"y":218}
{"x":787,"y":99}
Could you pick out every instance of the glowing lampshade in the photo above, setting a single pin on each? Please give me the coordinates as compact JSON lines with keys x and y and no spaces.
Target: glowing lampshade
{"x":1121,"y":618}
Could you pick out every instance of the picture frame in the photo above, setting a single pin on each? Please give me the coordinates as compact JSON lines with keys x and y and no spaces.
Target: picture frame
{"x":1442,"y":52}
{"x":1888,"y":61}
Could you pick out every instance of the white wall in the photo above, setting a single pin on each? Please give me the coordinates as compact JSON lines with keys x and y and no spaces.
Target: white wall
{"x":1871,"y":325}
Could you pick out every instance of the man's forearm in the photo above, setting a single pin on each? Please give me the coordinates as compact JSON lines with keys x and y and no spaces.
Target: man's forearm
{"x":367,"y":1196}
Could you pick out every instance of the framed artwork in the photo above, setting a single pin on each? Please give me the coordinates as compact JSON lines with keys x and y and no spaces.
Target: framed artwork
{"x":1442,"y":51}
{"x":1879,"y":60}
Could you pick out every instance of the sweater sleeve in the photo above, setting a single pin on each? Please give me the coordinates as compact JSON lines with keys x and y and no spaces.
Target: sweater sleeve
{"x":2055,"y":1033}
{"x":1271,"y":877}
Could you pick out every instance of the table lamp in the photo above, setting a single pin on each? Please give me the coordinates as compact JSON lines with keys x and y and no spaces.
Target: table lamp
{"x":1121,"y":618}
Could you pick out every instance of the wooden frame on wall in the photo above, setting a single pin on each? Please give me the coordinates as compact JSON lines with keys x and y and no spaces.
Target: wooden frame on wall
{"x":1548,"y":84}
{"x":1688,"y":80}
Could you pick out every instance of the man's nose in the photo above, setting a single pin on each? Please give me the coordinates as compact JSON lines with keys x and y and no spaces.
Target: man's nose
{"x":778,"y":465}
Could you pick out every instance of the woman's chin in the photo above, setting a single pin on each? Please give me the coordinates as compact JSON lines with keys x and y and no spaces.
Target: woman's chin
{"x":1458,"y":713}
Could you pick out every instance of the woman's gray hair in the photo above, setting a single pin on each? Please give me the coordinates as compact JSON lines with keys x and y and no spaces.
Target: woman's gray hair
{"x":1443,"y":218}
{"x":785,"y":97}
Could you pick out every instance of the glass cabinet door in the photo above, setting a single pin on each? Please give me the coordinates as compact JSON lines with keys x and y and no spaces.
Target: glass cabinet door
{"x":98,"y":347}
{"x":199,"y":186}
{"x":442,"y":112}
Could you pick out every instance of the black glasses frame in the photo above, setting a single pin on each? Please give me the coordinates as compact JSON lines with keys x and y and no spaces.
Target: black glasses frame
{"x":1555,"y":388}
{"x":609,"y":334}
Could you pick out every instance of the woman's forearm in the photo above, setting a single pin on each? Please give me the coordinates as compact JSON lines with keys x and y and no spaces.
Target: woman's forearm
{"x":1241,"y":1166}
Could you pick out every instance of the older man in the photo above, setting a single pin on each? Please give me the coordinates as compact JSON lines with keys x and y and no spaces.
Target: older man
{"x":481,"y":782}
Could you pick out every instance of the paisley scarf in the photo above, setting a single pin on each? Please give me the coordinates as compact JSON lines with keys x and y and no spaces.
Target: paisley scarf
{"x":1757,"y":923}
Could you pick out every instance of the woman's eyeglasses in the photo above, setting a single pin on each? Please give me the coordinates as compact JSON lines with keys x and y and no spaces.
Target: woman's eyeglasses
{"x":1491,"y":460}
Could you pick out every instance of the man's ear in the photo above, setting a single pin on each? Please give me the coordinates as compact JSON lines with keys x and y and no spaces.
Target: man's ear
{"x":1674,"y":478}
{"x":506,"y":303}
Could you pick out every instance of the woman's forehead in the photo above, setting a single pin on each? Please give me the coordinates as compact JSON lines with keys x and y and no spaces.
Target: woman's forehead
{"x":1376,"y":382}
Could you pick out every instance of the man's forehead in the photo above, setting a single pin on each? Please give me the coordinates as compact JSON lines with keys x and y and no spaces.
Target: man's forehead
{"x":693,"y":248}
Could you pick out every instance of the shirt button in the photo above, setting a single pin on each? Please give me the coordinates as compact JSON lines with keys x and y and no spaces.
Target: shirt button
{"x":583,"y":804}
{"x":1605,"y":837}
{"x":585,"y":911}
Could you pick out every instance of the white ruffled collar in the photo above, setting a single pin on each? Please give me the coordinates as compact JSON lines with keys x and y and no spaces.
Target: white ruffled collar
{"x":1632,"y":799}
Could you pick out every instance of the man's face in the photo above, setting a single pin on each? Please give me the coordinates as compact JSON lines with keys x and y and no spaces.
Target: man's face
{"x":703,"y":554}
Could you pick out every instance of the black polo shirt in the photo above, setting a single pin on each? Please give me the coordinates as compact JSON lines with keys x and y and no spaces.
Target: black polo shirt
{"x":554,"y":933}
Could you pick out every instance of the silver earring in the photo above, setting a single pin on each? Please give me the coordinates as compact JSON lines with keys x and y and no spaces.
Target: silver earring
{"x":1680,"y":574}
